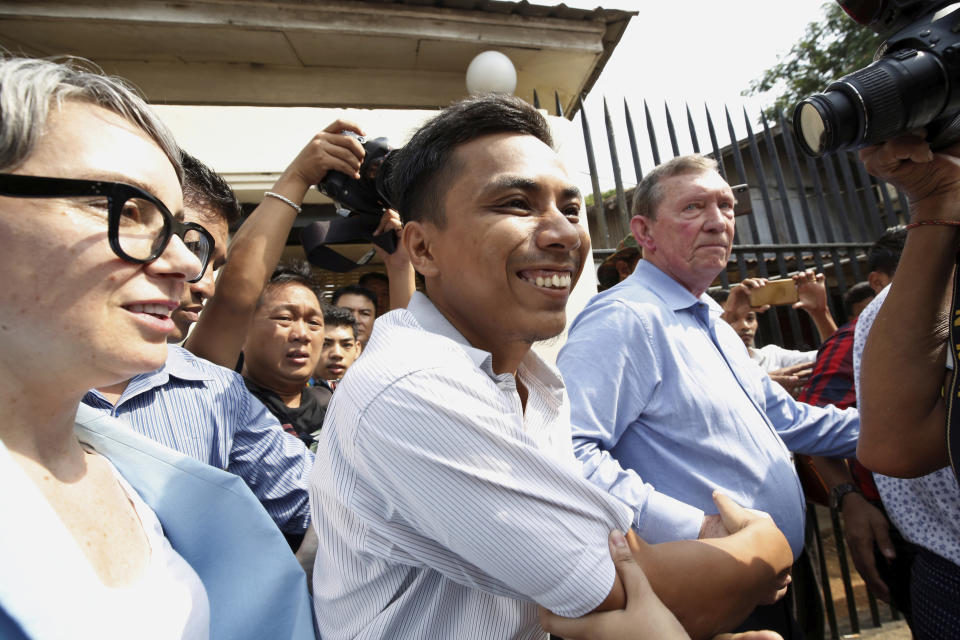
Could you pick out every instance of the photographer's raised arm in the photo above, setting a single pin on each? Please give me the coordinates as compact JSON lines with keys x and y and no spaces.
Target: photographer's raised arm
{"x":902,"y":411}
{"x":257,"y":246}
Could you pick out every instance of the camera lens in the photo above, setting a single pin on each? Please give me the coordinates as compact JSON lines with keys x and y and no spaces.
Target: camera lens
{"x":899,"y":92}
{"x":827,"y":121}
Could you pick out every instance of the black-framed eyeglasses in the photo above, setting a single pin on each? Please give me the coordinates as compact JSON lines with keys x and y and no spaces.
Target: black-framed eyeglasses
{"x":139,"y":226}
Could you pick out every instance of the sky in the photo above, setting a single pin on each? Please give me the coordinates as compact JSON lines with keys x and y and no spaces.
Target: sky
{"x":689,"y":51}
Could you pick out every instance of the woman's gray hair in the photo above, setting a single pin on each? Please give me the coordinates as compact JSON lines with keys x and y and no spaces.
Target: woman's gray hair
{"x":30,"y":86}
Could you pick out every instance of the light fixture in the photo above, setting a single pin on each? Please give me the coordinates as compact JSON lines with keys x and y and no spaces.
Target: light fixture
{"x":491,"y":71}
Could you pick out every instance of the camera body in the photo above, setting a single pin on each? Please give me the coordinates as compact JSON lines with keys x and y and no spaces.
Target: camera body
{"x":368,"y":194}
{"x":361,"y":202}
{"x":914,"y":81}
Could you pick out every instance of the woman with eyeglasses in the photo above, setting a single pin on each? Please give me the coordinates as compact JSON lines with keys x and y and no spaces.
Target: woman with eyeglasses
{"x":102,"y":532}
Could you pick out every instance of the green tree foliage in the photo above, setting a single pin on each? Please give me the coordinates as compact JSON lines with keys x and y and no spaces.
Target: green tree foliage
{"x":830,"y":48}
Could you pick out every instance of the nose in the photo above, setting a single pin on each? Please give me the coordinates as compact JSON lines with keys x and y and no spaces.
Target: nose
{"x":557,"y":232}
{"x":715,"y":218}
{"x":203,"y":288}
{"x":300,"y":332}
{"x":176,"y":261}
{"x":336,"y":353}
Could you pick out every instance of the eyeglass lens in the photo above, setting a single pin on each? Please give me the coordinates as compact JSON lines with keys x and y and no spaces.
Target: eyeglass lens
{"x":141,"y":233}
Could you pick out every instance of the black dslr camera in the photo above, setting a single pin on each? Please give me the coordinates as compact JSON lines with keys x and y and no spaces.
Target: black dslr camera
{"x":360,"y":202}
{"x":913,"y":82}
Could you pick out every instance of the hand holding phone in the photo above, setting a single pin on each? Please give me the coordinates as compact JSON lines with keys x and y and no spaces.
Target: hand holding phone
{"x":774,"y":292}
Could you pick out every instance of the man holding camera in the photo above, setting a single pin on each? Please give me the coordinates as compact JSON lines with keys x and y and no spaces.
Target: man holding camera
{"x":666,"y":405}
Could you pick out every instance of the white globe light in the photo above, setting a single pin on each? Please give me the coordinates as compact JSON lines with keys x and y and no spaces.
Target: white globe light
{"x":491,"y":71}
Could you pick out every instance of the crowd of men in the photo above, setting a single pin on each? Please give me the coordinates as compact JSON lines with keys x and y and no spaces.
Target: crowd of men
{"x":436,"y":478}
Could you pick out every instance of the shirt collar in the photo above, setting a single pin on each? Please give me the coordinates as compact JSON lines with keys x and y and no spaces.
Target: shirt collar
{"x":180,"y":364}
{"x":429,"y":317}
{"x":674,"y":294}
{"x":532,"y":367}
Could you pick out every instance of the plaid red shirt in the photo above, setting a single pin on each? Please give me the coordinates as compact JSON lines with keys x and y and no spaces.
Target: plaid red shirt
{"x":832,"y":383}
{"x":832,"y":379}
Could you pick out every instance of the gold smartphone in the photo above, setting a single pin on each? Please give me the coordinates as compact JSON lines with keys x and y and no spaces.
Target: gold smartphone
{"x":775,"y":292}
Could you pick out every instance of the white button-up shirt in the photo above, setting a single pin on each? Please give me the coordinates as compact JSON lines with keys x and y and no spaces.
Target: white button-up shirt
{"x":444,"y":510}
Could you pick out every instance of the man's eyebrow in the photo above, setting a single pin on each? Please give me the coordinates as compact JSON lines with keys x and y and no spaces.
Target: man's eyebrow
{"x":505,"y":183}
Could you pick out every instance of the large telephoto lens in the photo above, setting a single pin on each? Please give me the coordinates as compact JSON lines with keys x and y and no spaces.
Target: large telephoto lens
{"x":901,"y":91}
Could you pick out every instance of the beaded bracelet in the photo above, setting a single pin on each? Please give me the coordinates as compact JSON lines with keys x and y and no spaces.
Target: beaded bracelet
{"x":281,"y":198}
{"x":923,"y":223}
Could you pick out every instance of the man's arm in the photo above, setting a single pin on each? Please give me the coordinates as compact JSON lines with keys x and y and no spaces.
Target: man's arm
{"x":274,"y":464}
{"x":257,"y":246}
{"x":865,"y":526}
{"x":904,"y":360}
{"x":732,"y":577}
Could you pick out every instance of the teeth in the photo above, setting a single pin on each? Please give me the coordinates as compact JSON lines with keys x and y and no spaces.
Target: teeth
{"x":155,"y":309}
{"x":555,"y":281}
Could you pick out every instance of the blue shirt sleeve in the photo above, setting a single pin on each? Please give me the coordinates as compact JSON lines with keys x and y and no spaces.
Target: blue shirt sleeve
{"x":611,"y":370}
{"x":275,"y":465}
{"x":808,"y":429}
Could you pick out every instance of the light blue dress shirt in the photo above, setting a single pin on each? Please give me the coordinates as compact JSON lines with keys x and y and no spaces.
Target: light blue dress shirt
{"x":206,"y":412}
{"x":667,"y":407}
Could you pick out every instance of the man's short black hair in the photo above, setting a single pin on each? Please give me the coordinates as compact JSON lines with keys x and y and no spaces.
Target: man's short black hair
{"x":206,"y":191}
{"x":419,"y":170}
{"x":371,"y":276}
{"x":856,"y":294}
{"x":339,"y":317}
{"x":355,"y":289}
{"x":719,"y":295}
{"x":291,"y":272}
{"x":884,"y":255}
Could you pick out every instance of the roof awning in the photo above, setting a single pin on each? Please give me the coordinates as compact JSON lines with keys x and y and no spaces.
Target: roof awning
{"x":373,"y":53}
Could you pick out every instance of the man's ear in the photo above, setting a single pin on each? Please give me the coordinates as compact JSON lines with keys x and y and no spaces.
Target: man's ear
{"x":418,"y":239}
{"x":640,"y":228}
{"x":878,"y":280}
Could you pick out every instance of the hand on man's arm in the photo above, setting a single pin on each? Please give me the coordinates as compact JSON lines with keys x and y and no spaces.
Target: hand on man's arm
{"x":257,"y":246}
{"x":901,"y":407}
{"x":708,"y":585}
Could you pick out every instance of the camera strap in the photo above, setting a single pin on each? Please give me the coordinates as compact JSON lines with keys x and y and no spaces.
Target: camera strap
{"x":953,"y":389}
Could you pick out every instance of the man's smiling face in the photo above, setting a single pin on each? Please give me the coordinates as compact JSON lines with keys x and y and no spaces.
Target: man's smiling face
{"x":511,"y":248}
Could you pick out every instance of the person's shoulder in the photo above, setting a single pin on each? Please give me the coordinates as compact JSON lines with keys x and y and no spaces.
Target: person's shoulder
{"x":186,"y":368}
{"x":400,"y":348}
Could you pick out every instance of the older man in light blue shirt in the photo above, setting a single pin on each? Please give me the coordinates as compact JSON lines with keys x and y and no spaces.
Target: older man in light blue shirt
{"x":666,"y":405}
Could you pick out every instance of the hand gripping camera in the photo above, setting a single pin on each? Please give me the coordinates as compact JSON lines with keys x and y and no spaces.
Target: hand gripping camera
{"x":914,"y":81}
{"x":361,"y":203}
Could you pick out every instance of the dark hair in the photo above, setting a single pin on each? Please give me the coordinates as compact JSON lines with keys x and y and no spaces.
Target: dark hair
{"x":204,"y":189}
{"x":291,"y":272}
{"x":419,"y":170}
{"x":884,"y":255}
{"x":856,"y":294}
{"x":719,"y":295}
{"x":355,"y":289}
{"x":373,"y":275}
{"x":339,"y":317}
